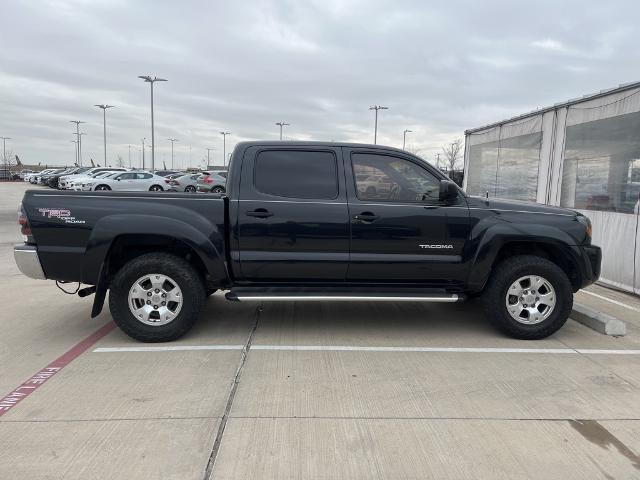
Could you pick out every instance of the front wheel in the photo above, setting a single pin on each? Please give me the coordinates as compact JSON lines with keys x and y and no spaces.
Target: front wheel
{"x":528,"y":297}
{"x":217,"y":189}
{"x":156,"y":297}
{"x":103,"y":188}
{"x":190,"y":189}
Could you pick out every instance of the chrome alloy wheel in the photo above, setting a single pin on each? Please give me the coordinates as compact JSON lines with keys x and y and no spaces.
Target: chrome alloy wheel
{"x":155,"y":299}
{"x":530,"y":299}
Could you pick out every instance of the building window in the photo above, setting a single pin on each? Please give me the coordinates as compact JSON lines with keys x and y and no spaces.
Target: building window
{"x":507,"y":168}
{"x":602,"y":165}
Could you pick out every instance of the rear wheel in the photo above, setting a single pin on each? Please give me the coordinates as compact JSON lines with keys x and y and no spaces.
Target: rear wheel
{"x":217,"y":189}
{"x":190,"y":189}
{"x":155,"y":188}
{"x":103,"y":188}
{"x":528,"y":297}
{"x":156,"y":297}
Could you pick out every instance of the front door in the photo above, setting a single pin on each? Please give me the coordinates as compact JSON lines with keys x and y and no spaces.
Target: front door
{"x":400,"y":230}
{"x":292,"y":218}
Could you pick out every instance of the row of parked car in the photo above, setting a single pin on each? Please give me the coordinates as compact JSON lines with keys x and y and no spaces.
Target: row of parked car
{"x":122,"y":179}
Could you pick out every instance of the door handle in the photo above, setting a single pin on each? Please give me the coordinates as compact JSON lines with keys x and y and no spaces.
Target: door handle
{"x":366,"y":217}
{"x":260,"y":213}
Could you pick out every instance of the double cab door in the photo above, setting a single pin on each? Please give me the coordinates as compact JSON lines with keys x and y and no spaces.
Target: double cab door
{"x":400,"y":230}
{"x":331,"y":214}
{"x":292,"y":215}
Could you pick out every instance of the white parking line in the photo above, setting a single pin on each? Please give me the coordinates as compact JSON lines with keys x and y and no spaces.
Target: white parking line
{"x":349,"y":348}
{"x":615,"y":302}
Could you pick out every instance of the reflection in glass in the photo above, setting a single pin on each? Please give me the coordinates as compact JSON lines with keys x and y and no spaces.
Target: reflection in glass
{"x":602,"y":165}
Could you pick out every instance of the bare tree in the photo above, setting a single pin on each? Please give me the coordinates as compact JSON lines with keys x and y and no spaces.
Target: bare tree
{"x":452,"y":154}
{"x":120,"y":162}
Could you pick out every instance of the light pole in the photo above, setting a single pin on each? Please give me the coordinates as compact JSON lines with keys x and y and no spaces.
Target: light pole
{"x":143,"y":139}
{"x":104,"y":127}
{"x":282,"y":124}
{"x":80,"y":134}
{"x":129,"y":155}
{"x":375,"y":128}
{"x":208,"y":162}
{"x":404,"y":138}
{"x":151,"y":81}
{"x":4,"y":151}
{"x":78,"y":154}
{"x":76,"y":149}
{"x":172,"y":140}
{"x":224,"y":147}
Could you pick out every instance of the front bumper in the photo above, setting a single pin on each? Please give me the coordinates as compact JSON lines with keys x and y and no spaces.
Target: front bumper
{"x":27,"y":260}
{"x":591,"y":263}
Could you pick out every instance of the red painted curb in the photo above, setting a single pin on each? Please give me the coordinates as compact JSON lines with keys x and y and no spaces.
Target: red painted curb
{"x":30,"y":385}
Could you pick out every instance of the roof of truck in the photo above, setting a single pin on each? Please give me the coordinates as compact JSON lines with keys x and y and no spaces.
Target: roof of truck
{"x":311,"y":143}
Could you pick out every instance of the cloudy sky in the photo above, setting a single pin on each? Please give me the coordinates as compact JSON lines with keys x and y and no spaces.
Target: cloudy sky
{"x":440,"y":67}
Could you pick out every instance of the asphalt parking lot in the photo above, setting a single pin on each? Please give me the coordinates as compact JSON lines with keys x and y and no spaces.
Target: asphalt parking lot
{"x":312,"y":390}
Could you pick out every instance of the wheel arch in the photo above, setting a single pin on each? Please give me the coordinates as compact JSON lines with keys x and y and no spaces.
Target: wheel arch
{"x":117,"y":239}
{"x":495,"y":247}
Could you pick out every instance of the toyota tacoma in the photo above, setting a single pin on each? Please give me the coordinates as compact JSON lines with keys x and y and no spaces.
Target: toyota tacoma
{"x":310,"y":221}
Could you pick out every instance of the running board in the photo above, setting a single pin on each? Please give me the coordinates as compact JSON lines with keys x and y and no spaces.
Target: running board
{"x":277,"y":295}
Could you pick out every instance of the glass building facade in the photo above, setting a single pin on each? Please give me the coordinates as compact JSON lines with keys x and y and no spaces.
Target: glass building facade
{"x":582,"y":154}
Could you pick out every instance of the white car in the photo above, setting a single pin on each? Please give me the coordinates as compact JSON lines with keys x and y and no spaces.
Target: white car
{"x":128,"y":182}
{"x":65,"y":180}
{"x":77,"y":183}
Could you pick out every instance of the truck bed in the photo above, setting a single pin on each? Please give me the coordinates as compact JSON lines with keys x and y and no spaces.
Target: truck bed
{"x":92,"y":220}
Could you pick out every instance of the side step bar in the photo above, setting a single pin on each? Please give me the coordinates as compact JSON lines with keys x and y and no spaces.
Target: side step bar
{"x":250,"y":295}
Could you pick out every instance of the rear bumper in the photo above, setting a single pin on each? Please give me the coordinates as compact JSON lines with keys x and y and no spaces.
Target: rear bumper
{"x":27,"y":260}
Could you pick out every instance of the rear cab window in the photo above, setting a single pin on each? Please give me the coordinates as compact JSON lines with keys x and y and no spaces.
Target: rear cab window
{"x":302,"y":174}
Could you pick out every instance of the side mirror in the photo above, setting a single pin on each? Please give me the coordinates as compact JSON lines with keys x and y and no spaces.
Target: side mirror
{"x":118,"y":179}
{"x":448,"y":190}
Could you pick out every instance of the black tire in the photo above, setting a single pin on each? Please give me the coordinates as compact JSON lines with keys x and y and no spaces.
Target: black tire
{"x":217,"y":189}
{"x":505,"y":274}
{"x":102,"y":188}
{"x":190,"y":189}
{"x":180,"y":271}
{"x":156,"y":188}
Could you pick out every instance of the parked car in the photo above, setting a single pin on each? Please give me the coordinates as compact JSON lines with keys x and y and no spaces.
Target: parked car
{"x":78,"y":182}
{"x":129,"y":181}
{"x":295,"y":226}
{"x":35,"y":178}
{"x":54,"y":180}
{"x":211,"y":183}
{"x":66,"y":180}
{"x":25,"y":173}
{"x":164,"y":173}
{"x":44,"y":179}
{"x":185,"y":183}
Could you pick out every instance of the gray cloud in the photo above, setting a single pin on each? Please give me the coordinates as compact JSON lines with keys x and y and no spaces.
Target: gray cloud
{"x":440,"y":67}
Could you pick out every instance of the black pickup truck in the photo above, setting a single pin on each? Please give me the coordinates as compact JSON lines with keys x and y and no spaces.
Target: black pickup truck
{"x":310,"y":221}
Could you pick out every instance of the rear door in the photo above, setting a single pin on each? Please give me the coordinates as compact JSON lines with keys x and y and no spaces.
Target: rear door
{"x":400,"y":230}
{"x":293,"y":223}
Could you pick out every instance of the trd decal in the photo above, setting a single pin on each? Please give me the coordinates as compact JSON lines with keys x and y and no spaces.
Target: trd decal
{"x":59,"y":213}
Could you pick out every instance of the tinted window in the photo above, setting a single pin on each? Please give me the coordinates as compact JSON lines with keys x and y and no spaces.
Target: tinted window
{"x":143,"y":176}
{"x":297,"y":174}
{"x":126,"y":176}
{"x":388,"y":178}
